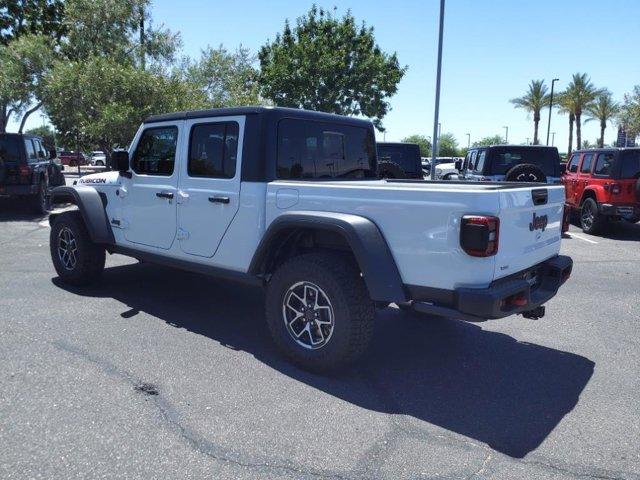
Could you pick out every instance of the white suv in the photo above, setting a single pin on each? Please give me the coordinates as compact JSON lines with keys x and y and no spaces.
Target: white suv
{"x":289,"y":200}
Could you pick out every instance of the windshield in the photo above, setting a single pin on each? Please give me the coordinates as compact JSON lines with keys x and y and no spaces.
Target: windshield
{"x":505,"y":158}
{"x":9,"y":149}
{"x":406,"y":156}
{"x":630,"y":161}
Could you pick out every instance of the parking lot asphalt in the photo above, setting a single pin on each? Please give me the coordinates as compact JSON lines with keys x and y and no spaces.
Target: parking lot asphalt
{"x":157,"y":373}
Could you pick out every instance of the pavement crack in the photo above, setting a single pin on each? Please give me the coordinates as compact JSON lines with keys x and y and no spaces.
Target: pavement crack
{"x":171,"y":419}
{"x":482,"y":468}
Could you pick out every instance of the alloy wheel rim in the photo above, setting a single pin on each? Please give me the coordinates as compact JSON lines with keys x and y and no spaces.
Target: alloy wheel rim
{"x":67,"y":248}
{"x":308,"y":315}
{"x":587,"y":217}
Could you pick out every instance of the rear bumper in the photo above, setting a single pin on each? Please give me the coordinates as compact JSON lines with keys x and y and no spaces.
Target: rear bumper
{"x":522,"y":292}
{"x":620,"y":210}
{"x":10,"y":190}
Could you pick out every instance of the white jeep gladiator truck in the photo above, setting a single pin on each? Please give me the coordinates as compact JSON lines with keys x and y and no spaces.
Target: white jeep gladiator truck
{"x":289,"y":200}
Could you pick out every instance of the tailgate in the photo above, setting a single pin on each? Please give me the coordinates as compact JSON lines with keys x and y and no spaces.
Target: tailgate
{"x":530,"y":227}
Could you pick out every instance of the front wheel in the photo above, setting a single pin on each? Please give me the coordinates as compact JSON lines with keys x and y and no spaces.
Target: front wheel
{"x":76,"y":258}
{"x":319,"y":312}
{"x":590,"y":219}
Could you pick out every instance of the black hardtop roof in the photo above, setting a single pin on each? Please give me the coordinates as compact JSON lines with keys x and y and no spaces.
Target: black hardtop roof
{"x":396,"y":144}
{"x":605,"y":149}
{"x":276,"y":113}
{"x":14,"y":134}
{"x":511,"y":145}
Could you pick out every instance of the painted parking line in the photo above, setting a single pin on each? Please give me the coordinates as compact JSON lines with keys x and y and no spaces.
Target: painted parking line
{"x":580,"y":237}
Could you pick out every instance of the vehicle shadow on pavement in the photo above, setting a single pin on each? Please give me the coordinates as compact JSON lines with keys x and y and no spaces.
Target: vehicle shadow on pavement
{"x":481,"y":384}
{"x":18,"y":210}
{"x":623,"y":231}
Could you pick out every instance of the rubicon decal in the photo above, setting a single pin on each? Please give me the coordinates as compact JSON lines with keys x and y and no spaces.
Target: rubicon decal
{"x":538,"y":222}
{"x":93,"y":180}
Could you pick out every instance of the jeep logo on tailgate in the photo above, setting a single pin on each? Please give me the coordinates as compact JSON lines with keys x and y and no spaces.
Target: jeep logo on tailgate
{"x":538,"y":222}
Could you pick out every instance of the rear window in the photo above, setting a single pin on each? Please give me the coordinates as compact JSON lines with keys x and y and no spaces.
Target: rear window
{"x":309,"y":150}
{"x":407,"y":156}
{"x":630,"y":164}
{"x":10,"y":149}
{"x":505,"y":158}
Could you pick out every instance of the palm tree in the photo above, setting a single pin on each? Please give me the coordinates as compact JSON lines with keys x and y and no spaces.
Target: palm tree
{"x":578,"y":96}
{"x":533,"y":101}
{"x":602,"y":109}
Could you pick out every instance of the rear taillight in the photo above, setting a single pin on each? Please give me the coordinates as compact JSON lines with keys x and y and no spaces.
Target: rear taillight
{"x":24,"y":171}
{"x":566,"y":218}
{"x":479,"y":235}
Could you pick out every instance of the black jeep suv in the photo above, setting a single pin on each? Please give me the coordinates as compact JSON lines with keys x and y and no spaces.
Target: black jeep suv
{"x":27,"y":169}
{"x":399,"y":160}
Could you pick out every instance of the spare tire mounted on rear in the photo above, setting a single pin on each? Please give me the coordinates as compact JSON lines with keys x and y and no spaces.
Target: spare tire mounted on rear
{"x":526,"y":172}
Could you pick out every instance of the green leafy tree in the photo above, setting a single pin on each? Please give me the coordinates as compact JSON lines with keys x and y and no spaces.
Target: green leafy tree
{"x":533,"y":101}
{"x":603,"y":109}
{"x":447,"y":145}
{"x":226,"y":78}
{"x":629,"y":113}
{"x":578,"y":96}
{"x":422,"y":141}
{"x":101,"y":101}
{"x":28,"y":31}
{"x":491,"y":140}
{"x":47,"y":133}
{"x":329,"y":64}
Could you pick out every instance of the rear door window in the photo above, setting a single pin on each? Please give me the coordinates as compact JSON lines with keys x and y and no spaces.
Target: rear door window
{"x":630,"y":161}
{"x":310,"y":150}
{"x":586,"y":163}
{"x":604,"y":163}
{"x":32,"y":156}
{"x":213,"y":150}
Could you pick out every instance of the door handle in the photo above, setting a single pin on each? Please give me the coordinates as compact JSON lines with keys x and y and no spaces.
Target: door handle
{"x":219,"y":199}
{"x":168,"y":195}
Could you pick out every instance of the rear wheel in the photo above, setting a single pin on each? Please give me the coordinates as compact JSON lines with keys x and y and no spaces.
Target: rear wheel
{"x":41,"y":200}
{"x":319,"y":312}
{"x":76,"y":258}
{"x":590,"y":219}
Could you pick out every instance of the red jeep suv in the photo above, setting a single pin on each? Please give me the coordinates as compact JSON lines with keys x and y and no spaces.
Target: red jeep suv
{"x":603,"y":184}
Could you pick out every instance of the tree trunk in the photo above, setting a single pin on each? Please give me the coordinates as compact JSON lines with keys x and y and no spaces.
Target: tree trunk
{"x":4,"y":118}
{"x":26,"y":115}
{"x":570,"y":134}
{"x":603,"y":125}
{"x":535,"y":131}
{"x":578,"y":131}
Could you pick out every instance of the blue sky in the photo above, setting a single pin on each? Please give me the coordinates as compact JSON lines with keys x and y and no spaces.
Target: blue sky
{"x":492,"y":49}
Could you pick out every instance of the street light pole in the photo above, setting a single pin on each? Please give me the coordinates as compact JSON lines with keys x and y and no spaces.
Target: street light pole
{"x":506,"y":134}
{"x":550,"y":108}
{"x":468,"y":140}
{"x":434,"y":160}
{"x":553,"y":138}
{"x":527,"y":140}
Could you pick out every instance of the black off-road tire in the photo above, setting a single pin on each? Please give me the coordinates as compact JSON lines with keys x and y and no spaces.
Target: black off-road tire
{"x":41,"y":201}
{"x":591,"y":221}
{"x":353,"y":311}
{"x":388,"y":169}
{"x":89,"y":256}
{"x":526,"y":172}
{"x":449,"y":176}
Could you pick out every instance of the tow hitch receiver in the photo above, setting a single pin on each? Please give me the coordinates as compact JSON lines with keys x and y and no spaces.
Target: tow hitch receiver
{"x":534,"y":314}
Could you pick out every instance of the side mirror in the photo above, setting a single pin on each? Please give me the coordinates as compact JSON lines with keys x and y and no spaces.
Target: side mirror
{"x":120,"y":160}
{"x":563,"y":168}
{"x":458,"y":165}
{"x":52,"y":154}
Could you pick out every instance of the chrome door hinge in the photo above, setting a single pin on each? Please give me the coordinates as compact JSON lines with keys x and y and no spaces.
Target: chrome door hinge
{"x":183,"y":197}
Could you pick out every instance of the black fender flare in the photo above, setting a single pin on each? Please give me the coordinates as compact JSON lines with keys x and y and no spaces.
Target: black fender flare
{"x":92,"y":208}
{"x":363,"y":236}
